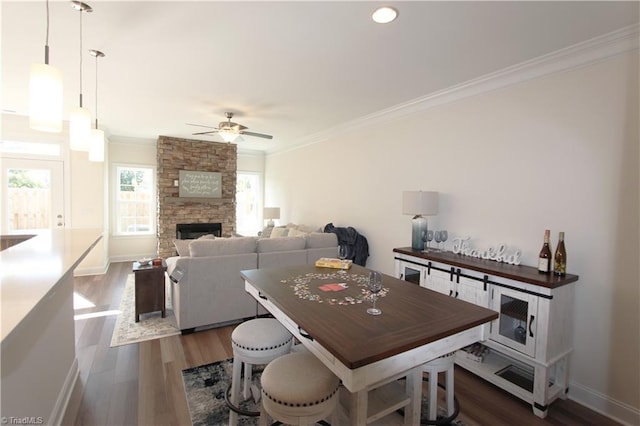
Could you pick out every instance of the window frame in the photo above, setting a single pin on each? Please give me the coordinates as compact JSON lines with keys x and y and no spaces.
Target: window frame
{"x":259,"y":204}
{"x":115,"y":205}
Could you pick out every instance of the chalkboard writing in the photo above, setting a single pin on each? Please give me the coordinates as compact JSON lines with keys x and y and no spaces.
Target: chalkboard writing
{"x":200,"y":184}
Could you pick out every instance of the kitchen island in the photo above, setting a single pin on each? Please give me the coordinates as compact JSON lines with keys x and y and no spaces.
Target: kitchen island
{"x":38,"y":361}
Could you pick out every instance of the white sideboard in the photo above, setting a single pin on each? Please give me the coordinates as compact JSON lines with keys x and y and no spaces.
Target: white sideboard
{"x":530,"y":343}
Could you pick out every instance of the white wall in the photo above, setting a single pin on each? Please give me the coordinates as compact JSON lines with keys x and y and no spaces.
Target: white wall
{"x":558,"y":152}
{"x":132,"y":151}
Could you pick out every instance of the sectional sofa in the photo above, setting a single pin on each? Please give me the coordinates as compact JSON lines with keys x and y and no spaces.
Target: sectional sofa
{"x":206,"y":287}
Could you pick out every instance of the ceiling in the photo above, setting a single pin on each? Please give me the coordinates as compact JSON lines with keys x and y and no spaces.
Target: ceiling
{"x":290,"y":69}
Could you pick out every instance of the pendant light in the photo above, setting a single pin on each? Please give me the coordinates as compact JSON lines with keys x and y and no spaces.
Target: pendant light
{"x":96,"y":146}
{"x":80,"y":118}
{"x":45,"y":93}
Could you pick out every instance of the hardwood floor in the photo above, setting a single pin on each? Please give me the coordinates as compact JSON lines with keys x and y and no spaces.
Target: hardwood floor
{"x":141,"y":384}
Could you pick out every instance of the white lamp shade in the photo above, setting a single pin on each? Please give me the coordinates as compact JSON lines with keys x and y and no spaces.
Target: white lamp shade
{"x":271,"y":213}
{"x":228,"y":135}
{"x":79,"y":129}
{"x":96,"y":147}
{"x":45,"y":98}
{"x":420,"y":203}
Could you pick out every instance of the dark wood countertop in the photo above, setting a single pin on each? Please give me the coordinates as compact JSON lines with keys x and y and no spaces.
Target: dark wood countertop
{"x":527,"y":274}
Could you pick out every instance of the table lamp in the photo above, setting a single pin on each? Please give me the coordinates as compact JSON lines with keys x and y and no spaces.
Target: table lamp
{"x":271,"y":213}
{"x":419,"y":203}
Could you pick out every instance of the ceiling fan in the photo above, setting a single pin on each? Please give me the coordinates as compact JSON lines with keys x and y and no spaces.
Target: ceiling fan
{"x":229,"y":130}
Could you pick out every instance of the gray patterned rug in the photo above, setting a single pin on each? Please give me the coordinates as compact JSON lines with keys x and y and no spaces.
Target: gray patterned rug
{"x":151,"y":325}
{"x":205,"y":388}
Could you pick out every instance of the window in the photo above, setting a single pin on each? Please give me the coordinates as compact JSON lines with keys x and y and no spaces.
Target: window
{"x":135,"y":201}
{"x":248,"y":203}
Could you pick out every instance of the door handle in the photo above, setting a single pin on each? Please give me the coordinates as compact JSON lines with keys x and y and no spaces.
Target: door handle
{"x":304,"y":334}
{"x":531,"y":319}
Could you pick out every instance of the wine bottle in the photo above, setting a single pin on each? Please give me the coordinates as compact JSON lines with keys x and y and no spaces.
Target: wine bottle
{"x":544,"y":258}
{"x":560,"y":258}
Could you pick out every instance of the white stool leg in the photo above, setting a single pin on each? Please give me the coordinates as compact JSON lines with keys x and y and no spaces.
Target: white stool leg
{"x":264,"y":417}
{"x":450,"y":393}
{"x":235,"y":382}
{"x":246,"y":391}
{"x":433,"y":395}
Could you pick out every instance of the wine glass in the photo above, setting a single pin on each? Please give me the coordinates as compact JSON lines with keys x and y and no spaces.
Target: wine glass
{"x":374,"y":285}
{"x":429,"y":237}
{"x":443,"y":236}
{"x":437,"y":235}
{"x":342,"y":255}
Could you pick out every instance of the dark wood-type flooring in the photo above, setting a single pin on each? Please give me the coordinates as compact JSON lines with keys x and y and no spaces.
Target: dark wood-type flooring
{"x":141,"y":384}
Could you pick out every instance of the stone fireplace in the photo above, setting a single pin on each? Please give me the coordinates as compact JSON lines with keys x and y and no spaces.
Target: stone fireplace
{"x":176,"y":154}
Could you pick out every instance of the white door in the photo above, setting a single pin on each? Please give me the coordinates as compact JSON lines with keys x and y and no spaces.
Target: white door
{"x":516,"y":326}
{"x":32,"y":195}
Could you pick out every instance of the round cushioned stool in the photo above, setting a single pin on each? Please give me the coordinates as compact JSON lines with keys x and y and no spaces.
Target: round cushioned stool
{"x":297,"y":389}
{"x":255,"y":342}
{"x":444,"y":364}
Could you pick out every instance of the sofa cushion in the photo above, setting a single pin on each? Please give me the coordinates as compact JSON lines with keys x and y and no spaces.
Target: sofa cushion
{"x":279,"y":232}
{"x":267,"y":245}
{"x":321,"y":240}
{"x":222,"y":246}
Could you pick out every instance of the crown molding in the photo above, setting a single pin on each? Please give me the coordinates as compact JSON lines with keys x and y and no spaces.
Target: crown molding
{"x":578,"y":55}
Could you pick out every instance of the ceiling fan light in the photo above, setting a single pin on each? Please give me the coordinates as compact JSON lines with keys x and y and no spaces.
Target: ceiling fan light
{"x":45,"y":98}
{"x":79,"y":129}
{"x":384,"y":15}
{"x":228,"y":135}
{"x":96,"y":147}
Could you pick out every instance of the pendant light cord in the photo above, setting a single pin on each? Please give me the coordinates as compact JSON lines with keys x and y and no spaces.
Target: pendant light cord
{"x":96,"y":92}
{"x":46,"y":40}
{"x":80,"y":57}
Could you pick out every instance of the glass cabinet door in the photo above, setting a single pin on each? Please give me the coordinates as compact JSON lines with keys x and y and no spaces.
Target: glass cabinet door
{"x":516,"y":326}
{"x":410,"y":273}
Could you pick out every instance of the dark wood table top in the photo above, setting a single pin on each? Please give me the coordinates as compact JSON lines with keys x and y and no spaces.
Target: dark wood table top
{"x":527,"y":274}
{"x":412,"y":316}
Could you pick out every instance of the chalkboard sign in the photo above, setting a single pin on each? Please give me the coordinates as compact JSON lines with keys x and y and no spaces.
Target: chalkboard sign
{"x":200,"y":184}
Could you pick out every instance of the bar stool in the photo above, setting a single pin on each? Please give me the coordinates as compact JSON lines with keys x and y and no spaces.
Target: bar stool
{"x":255,"y":342}
{"x":445,"y":364}
{"x":297,"y":389}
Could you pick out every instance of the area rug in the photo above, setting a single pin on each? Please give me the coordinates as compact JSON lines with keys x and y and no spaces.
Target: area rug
{"x":205,"y":388}
{"x":151,"y":325}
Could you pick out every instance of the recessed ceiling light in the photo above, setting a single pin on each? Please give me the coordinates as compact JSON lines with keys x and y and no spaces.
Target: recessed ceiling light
{"x":384,"y":14}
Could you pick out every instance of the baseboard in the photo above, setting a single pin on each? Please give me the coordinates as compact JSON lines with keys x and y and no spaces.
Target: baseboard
{"x":93,"y":270}
{"x":605,"y":405}
{"x":59,"y":409}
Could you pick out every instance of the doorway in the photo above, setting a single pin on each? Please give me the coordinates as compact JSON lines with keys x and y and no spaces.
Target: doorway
{"x":32,"y":195}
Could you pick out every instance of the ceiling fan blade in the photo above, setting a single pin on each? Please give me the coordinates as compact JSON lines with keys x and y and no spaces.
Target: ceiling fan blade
{"x":205,"y":133}
{"x":200,"y":125}
{"x":258,"y":135}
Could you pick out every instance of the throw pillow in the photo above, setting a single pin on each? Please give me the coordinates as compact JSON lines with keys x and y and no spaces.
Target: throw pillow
{"x":296,"y":233}
{"x":182,"y":247}
{"x":279,"y":232}
{"x":266,"y":232}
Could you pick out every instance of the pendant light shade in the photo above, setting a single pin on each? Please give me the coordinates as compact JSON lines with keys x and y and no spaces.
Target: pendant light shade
{"x":45,"y":93}
{"x":96,"y":148}
{"x":45,"y":98}
{"x":79,"y":129}
{"x":80,"y":118}
{"x":96,"y":144}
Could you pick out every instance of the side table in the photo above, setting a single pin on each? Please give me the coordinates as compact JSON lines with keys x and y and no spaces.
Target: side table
{"x":149,"y":288}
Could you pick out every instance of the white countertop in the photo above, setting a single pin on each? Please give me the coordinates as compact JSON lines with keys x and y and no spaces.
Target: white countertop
{"x":29,"y":271}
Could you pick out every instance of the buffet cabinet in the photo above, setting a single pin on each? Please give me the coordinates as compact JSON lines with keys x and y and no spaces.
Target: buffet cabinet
{"x":527,"y":353}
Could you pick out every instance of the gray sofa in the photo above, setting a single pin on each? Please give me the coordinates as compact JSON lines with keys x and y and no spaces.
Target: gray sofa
{"x":206,"y":287}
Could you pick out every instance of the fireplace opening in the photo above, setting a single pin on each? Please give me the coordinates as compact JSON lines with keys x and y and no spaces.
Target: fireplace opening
{"x":191,"y":231}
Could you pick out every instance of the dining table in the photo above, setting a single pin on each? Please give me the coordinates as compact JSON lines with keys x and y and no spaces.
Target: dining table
{"x":378,"y":358}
